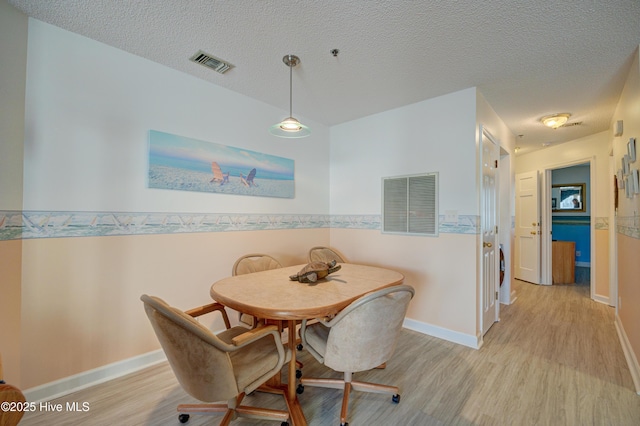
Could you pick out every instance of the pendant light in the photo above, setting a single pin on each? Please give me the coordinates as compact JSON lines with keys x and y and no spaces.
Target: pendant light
{"x":290,"y":127}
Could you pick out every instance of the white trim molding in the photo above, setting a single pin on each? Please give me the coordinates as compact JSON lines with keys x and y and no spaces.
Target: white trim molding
{"x":468,"y":340}
{"x":632,"y":361}
{"x":602,"y":299}
{"x":67,"y":385}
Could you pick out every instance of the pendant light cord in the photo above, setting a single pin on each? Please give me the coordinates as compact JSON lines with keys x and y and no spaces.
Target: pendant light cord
{"x":290,"y":87}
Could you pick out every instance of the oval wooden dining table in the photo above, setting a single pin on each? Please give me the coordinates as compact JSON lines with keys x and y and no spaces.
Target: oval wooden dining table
{"x":272,"y":295}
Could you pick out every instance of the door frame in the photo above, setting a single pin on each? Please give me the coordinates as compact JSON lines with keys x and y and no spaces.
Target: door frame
{"x":546,"y":272}
{"x":613,"y":242}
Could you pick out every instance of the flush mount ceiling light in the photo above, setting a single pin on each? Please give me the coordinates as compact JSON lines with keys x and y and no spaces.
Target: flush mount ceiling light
{"x":556,"y":120}
{"x":290,"y":127}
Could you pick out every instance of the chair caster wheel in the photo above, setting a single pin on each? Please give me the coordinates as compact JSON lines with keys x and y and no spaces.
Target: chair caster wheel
{"x":299,"y":389}
{"x":284,"y":424}
{"x":299,"y":347}
{"x":395,"y":398}
{"x":183,"y":418}
{"x":344,"y":424}
{"x":298,"y":374}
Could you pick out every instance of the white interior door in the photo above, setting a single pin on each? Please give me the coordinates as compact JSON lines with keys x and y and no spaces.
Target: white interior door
{"x":489,"y":218}
{"x":527,"y":244}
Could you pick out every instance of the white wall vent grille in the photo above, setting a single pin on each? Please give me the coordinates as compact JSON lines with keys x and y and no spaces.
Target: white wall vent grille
{"x":210,"y":61}
{"x":410,"y":204}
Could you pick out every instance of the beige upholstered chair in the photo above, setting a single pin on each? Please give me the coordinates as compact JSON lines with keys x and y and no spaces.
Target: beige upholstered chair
{"x":325,"y":254}
{"x":222,"y":367}
{"x":361,"y":337}
{"x":247,"y":264}
{"x":256,"y":262}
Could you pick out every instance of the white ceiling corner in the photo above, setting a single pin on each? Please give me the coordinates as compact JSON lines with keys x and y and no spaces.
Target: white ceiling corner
{"x":528,"y":58}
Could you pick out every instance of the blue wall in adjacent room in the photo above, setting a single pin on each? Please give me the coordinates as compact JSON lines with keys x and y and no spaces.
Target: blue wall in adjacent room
{"x":574,"y":229}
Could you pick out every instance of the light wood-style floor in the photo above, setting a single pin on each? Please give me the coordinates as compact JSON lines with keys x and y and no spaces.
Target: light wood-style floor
{"x":553,"y":359}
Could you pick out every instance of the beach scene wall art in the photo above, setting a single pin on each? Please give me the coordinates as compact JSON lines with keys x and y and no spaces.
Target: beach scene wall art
{"x":185,"y":164}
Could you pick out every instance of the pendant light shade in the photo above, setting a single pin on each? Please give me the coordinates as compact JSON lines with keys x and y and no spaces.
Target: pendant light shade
{"x":290,"y":127}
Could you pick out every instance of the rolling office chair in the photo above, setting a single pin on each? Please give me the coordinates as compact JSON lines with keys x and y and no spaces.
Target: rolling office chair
{"x":361,"y":337}
{"x":325,"y":254}
{"x":222,"y":367}
{"x":254,"y":262}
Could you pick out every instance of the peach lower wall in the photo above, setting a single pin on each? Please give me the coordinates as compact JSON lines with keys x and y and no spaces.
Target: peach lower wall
{"x":10,"y":294}
{"x":80,"y":296}
{"x":601,"y":289}
{"x":441,"y":269}
{"x":629,"y":289}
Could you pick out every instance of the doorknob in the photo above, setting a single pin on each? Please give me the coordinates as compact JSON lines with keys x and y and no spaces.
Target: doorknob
{"x":534,"y":233}
{"x":487,"y":245}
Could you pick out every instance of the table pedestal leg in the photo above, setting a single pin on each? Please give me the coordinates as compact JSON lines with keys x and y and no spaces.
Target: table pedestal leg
{"x":297,"y":416}
{"x":288,"y":391}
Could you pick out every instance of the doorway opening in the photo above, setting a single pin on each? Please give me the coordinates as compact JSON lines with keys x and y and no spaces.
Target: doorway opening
{"x":571,"y":217}
{"x":579,"y":171}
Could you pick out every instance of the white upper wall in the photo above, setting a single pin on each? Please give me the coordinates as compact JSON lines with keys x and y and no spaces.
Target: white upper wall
{"x":13,"y":63}
{"x":436,"y":135}
{"x":89,"y":108}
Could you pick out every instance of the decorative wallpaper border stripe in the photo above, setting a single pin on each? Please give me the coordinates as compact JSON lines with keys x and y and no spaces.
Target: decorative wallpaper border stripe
{"x":629,"y":226}
{"x":15,"y":225}
{"x":31,"y":224}
{"x":602,"y":223}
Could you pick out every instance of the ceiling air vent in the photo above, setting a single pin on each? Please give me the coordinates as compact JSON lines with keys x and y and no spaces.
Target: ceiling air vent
{"x":209,"y":61}
{"x":576,"y":123}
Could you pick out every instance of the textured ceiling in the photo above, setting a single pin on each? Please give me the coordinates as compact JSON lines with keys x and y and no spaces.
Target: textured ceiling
{"x":528,"y":58}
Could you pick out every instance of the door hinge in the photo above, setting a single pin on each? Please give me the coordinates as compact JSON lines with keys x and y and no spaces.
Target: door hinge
{"x":496,"y":295}
{"x":496,"y":164}
{"x":496,"y":229}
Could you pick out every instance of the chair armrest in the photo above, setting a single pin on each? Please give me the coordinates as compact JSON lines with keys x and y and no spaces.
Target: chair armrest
{"x":322,"y":320}
{"x":258,"y":333}
{"x":254,"y":334}
{"x":211,"y":307}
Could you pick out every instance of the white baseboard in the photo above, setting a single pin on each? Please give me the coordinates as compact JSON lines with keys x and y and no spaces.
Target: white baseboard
{"x":508,"y":299}
{"x":602,"y":299}
{"x":443,"y":333}
{"x":632,"y":361}
{"x":83,"y":380}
